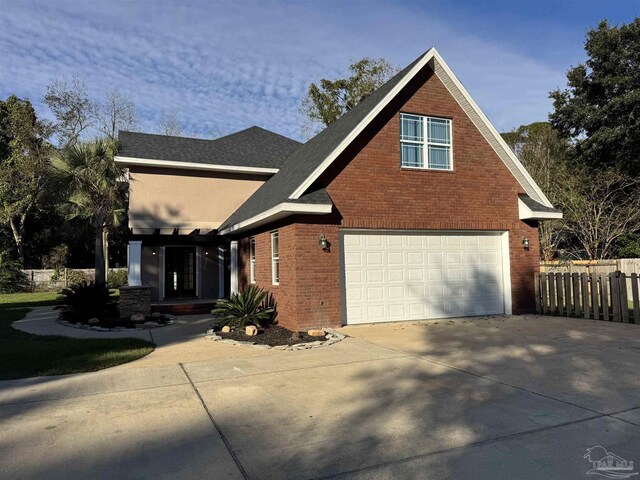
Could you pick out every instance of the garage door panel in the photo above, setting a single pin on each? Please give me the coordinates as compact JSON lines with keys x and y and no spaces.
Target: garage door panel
{"x":412,"y":277}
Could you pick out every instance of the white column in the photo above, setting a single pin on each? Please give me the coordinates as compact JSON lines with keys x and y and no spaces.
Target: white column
{"x":133,"y":263}
{"x":220,"y":272}
{"x":234,"y":266}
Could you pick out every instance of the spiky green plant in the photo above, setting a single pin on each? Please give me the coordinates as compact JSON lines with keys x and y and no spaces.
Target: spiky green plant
{"x":245,"y":308}
{"x":85,"y":300}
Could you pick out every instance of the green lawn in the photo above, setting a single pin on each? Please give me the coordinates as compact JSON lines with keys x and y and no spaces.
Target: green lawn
{"x":23,"y":355}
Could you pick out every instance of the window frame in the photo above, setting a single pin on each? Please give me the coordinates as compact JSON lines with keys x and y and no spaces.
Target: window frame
{"x":425,"y":143}
{"x":252,"y":260}
{"x":275,"y":259}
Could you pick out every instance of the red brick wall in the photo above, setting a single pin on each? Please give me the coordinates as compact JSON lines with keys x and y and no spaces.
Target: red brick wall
{"x":371,"y":190}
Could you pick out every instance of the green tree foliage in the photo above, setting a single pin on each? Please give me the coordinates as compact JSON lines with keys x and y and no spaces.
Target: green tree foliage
{"x":94,"y":189}
{"x":24,"y":166}
{"x":544,"y":154}
{"x":330,"y":99}
{"x":600,"y":109}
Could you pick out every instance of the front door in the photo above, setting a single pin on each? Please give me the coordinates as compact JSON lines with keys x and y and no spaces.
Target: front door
{"x":180,"y":272}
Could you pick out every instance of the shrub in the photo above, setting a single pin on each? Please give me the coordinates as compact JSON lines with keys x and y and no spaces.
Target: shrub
{"x":250,"y":307}
{"x":75,"y":277}
{"x":84,"y":300}
{"x":117,"y":278}
{"x":12,"y":278}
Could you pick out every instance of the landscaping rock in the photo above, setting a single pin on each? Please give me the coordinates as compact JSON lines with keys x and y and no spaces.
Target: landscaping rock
{"x":93,"y":321}
{"x":150,"y":324}
{"x":138,"y":317}
{"x":156,"y":315}
{"x":251,"y":330}
{"x":316,"y":333}
{"x":226,"y":329}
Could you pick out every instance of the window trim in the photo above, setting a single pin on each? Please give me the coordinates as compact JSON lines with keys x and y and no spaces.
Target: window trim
{"x":275,"y":259}
{"x":252,"y":260}
{"x":425,"y":143}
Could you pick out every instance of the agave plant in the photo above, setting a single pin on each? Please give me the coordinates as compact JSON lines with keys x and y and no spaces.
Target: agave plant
{"x":83,"y":301}
{"x":250,"y":307}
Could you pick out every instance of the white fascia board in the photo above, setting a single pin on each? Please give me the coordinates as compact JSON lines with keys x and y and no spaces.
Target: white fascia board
{"x":526,"y":213}
{"x":492,"y":129}
{"x":149,"y":162}
{"x":279,"y":211}
{"x":362,"y":125}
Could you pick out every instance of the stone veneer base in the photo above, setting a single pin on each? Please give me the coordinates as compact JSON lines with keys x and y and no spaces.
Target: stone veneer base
{"x":134,"y":300}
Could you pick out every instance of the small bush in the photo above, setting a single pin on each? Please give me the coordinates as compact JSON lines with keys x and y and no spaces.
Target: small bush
{"x":75,"y":277}
{"x":250,"y":307}
{"x":12,"y":278}
{"x":117,"y":278}
{"x":86,"y":300}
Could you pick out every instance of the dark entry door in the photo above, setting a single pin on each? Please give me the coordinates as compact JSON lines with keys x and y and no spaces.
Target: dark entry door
{"x":180,"y":272}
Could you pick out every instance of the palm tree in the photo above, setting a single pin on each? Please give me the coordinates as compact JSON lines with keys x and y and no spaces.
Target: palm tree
{"x":94,"y":188}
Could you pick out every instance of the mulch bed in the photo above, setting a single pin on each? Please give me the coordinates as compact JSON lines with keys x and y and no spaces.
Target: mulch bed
{"x":273,"y":336}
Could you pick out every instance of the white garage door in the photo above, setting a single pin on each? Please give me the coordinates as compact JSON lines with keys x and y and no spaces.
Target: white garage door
{"x":391,"y":277}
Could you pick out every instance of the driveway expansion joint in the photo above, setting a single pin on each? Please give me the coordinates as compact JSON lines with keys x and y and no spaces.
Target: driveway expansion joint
{"x":224,"y":439}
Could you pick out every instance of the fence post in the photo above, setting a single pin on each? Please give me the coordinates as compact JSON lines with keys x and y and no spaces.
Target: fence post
{"x":567,"y":294}
{"x":604,"y":293}
{"x":584,"y":280}
{"x":536,"y":284}
{"x":624,"y":299}
{"x":66,"y":284}
{"x":635,"y":298}
{"x":595,"y":297}
{"x":559,"y":285}
{"x":576,"y":294}
{"x":615,"y":296}
{"x":552,"y":293}
{"x":543,"y":287}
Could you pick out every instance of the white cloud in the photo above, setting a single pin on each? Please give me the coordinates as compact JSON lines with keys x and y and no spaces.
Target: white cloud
{"x":229,"y":65}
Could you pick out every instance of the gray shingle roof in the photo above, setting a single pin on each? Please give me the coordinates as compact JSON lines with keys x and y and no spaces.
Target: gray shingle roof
{"x":253,"y":147}
{"x":536,"y":206}
{"x":302,"y":162}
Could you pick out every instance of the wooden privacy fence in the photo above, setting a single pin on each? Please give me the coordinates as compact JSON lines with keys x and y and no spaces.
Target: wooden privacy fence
{"x":601,"y":296}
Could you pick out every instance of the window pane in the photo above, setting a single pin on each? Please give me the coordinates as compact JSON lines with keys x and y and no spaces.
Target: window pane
{"x":439,"y":130}
{"x":411,"y":128}
{"x":276,"y":271}
{"x":411,"y":155}
{"x":274,"y":244}
{"x":439,"y":158}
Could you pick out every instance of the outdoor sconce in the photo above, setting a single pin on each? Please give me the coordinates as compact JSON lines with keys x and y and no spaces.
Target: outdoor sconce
{"x":324,"y":243}
{"x":206,"y":251}
{"x":525,"y":243}
{"x":153,"y":252}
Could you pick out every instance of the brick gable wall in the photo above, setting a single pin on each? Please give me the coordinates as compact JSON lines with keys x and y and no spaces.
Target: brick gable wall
{"x":370,"y":190}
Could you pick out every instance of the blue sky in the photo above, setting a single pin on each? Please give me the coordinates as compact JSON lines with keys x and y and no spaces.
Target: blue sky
{"x":227,"y":65}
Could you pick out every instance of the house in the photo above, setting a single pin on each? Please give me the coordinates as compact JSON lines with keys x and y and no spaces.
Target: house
{"x":410,"y":206}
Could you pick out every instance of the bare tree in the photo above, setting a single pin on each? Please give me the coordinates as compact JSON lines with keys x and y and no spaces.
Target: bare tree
{"x":116,"y":113}
{"x":600,"y":207}
{"x":74,"y":111}
{"x":168,"y":124}
{"x":544,"y":153}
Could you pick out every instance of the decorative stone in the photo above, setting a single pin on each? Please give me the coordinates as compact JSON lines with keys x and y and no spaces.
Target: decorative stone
{"x":138,"y":317}
{"x":93,"y":321}
{"x":134,"y":300}
{"x":156,"y":315}
{"x":316,"y":333}
{"x":151,"y":324}
{"x":226,"y":329}
{"x":251,"y":330}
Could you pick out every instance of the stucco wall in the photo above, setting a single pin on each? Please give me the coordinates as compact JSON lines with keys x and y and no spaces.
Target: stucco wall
{"x":170,"y":198}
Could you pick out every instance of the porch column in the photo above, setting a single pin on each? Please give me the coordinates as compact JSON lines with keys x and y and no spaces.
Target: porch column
{"x":220,"y":272}
{"x":234,"y":266}
{"x":134,"y":259}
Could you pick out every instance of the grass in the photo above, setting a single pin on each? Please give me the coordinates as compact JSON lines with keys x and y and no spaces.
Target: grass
{"x":24,"y":355}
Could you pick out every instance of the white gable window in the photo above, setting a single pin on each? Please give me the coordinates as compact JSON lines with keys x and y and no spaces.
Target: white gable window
{"x":252,"y":259}
{"x":425,"y":142}
{"x":275,"y":259}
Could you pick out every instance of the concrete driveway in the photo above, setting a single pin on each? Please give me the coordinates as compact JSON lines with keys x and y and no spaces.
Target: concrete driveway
{"x":512,"y":397}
